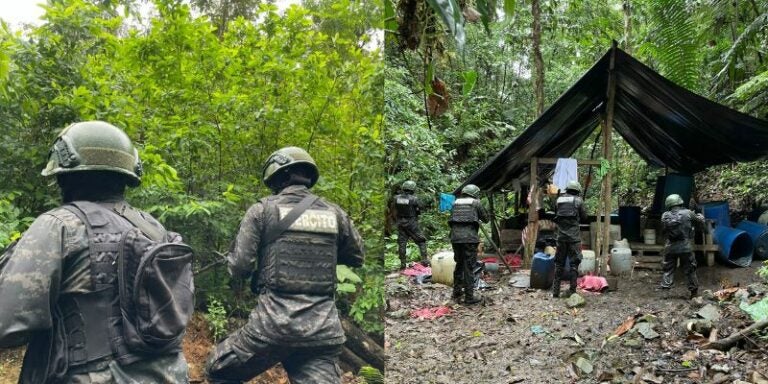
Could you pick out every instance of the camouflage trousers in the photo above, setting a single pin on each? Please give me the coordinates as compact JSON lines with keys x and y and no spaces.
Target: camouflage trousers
{"x":465,"y":256}
{"x":566,"y":249}
{"x":241,"y":357}
{"x":409,"y":229}
{"x":688,"y":261}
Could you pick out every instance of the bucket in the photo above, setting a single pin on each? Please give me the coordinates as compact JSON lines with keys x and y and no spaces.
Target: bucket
{"x":717,"y":211}
{"x":549,"y":250}
{"x":442,"y":268}
{"x":734,"y":245}
{"x":649,"y":236}
{"x":629,"y":219}
{"x":759,"y":235}
{"x":587,"y":265}
{"x":621,"y":261}
{"x":542,"y":271}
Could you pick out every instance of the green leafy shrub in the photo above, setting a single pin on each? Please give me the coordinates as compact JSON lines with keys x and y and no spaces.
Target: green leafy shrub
{"x":216,"y":318}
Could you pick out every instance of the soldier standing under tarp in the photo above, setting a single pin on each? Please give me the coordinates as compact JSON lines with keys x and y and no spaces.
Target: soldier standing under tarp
{"x":570,"y":212}
{"x":289,"y":243}
{"x":466,"y":215}
{"x":60,"y":298}
{"x":678,"y":226}
{"x":408,"y":209}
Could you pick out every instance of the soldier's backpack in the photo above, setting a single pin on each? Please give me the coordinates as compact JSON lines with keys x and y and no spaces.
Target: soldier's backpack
{"x":674,"y":226}
{"x":154,"y":282}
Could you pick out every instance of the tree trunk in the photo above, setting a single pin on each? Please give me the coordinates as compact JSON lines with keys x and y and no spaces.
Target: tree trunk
{"x":363,"y":346}
{"x":350,"y":362}
{"x":627,"y":26}
{"x":538,"y":61}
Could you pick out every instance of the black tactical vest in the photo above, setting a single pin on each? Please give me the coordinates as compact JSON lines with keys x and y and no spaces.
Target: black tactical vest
{"x":405,"y":205}
{"x":568,"y":206}
{"x":464,"y":211}
{"x":92,"y":322}
{"x":303,"y":258}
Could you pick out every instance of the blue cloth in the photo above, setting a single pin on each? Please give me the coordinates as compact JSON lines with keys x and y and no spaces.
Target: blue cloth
{"x":565,"y":171}
{"x":446,"y":202}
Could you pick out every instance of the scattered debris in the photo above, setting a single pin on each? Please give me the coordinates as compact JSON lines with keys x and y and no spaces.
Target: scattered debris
{"x":709,"y":312}
{"x":584,"y":365}
{"x":575,"y":301}
{"x":646,"y":330}
{"x":625,"y":326}
{"x":430,"y":313}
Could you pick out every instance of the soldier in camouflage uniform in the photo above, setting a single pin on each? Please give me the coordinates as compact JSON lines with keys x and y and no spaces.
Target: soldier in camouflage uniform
{"x":570,"y":212}
{"x":678,"y":227}
{"x":408,"y":209}
{"x":46,"y":276}
{"x":295,"y":321}
{"x":466,"y":215}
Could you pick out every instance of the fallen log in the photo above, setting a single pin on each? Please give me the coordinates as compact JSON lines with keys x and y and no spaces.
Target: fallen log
{"x":362,"y":345}
{"x":350,"y":362}
{"x":730,"y":341}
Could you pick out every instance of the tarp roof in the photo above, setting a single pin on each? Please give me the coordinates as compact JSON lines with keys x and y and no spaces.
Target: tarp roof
{"x":666,"y":124}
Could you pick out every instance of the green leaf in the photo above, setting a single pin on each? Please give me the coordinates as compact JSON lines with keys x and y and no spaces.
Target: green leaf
{"x":390,"y":18}
{"x":346,"y":287}
{"x":509,"y":7}
{"x":470,"y":79}
{"x":485,"y":7}
{"x":343,"y":273}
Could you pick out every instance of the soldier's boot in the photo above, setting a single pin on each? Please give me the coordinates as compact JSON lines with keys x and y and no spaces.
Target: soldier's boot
{"x":694,"y":293}
{"x":401,"y":247}
{"x":456,"y":296}
{"x":423,"y":252}
{"x":471,"y":298}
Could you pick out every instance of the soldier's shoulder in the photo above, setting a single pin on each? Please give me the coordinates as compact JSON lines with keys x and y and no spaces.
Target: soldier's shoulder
{"x":60,"y":215}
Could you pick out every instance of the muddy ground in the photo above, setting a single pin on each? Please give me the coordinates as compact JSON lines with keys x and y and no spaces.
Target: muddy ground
{"x":526,"y":336}
{"x":197,"y":344}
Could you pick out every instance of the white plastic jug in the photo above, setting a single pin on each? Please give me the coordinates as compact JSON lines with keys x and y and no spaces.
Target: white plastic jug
{"x":587,"y":262}
{"x":442,"y":264}
{"x":623,"y":243}
{"x":621,"y":261}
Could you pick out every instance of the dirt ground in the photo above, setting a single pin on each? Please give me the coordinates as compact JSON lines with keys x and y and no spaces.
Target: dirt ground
{"x":197,"y":345}
{"x":525,"y":336}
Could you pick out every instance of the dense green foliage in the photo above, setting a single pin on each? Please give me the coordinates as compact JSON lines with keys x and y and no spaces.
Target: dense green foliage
{"x":715,"y":48}
{"x":206,"y":108}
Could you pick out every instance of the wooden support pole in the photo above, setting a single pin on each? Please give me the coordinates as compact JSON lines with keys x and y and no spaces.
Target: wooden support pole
{"x":533,"y":215}
{"x":495,"y":234}
{"x":608,"y":155}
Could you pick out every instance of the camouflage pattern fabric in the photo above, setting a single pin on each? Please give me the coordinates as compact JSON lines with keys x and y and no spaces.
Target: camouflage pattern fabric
{"x":242,"y":356}
{"x":688,"y":262}
{"x":689,"y":221}
{"x":570,"y":212}
{"x":295,"y":322}
{"x":465,"y":255}
{"x":51,"y":260}
{"x":566,"y":249}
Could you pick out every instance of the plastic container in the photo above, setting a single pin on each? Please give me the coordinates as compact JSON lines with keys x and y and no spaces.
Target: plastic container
{"x":542,"y":271}
{"x":649,"y":236}
{"x":621,"y":261}
{"x":587,"y":265}
{"x":759,"y":235}
{"x":629,"y":219}
{"x":735,"y":246}
{"x":549,"y":250}
{"x":717,"y":211}
{"x":623,"y":243}
{"x":443,"y":265}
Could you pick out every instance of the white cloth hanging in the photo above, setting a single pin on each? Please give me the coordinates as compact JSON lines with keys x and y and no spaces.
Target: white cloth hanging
{"x":565,"y":171}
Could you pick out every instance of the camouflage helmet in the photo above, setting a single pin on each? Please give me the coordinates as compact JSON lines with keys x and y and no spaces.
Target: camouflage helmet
{"x":573,"y":185}
{"x":471,"y":190}
{"x":409,"y":186}
{"x":673,"y":200}
{"x":286,"y":158}
{"x":94,"y":146}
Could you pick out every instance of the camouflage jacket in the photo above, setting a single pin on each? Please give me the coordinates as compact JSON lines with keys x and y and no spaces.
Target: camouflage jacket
{"x":295,"y":319}
{"x":690,"y":220}
{"x":49,"y":262}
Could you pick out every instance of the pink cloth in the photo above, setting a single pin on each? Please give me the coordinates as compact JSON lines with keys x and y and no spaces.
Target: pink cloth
{"x":592,"y":283}
{"x":430,"y":313}
{"x":416,"y":270}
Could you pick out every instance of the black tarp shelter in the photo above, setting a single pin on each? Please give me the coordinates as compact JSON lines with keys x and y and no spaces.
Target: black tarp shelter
{"x":664,"y":123}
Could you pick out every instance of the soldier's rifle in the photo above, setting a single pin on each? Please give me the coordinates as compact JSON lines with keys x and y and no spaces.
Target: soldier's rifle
{"x":498,"y":251}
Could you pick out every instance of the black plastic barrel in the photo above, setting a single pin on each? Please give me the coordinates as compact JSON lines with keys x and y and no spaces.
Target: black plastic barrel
{"x":629,"y":219}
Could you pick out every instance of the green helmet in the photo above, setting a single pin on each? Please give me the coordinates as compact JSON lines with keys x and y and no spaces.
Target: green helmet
{"x":573,"y":185}
{"x":409,"y":186}
{"x":472,"y":190}
{"x":289,"y":157}
{"x":673,"y":200}
{"x":94,"y":146}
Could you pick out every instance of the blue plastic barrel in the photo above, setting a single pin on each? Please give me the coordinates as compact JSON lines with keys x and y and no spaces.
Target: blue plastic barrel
{"x":735,"y":246}
{"x":542,"y":271}
{"x":629,"y":219}
{"x":759,"y":235}
{"x":717,"y":211}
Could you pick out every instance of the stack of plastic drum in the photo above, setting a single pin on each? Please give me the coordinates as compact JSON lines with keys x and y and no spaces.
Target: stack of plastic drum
{"x":735,"y":245}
